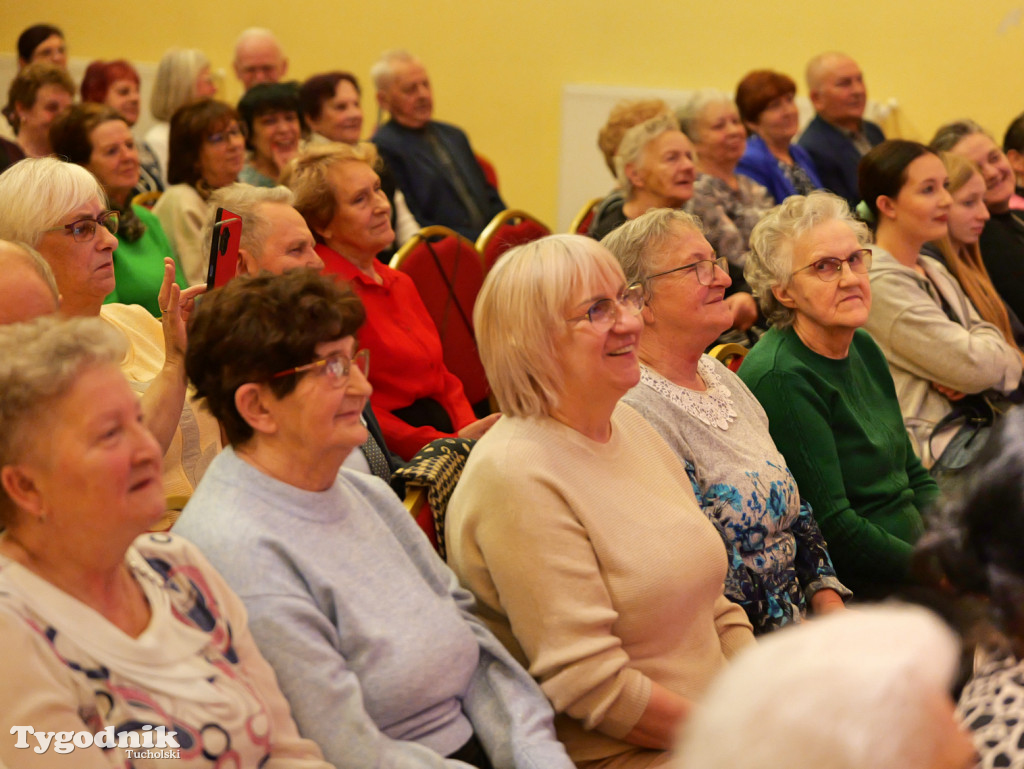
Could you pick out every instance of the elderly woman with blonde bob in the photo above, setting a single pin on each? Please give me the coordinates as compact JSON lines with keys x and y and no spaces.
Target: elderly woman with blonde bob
{"x":105,"y":629}
{"x":826,"y":388}
{"x":575,"y":524}
{"x":182,"y":77}
{"x":781,"y":567}
{"x":654,"y":167}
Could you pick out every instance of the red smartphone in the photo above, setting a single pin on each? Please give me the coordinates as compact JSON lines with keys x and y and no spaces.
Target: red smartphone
{"x":227,"y":234}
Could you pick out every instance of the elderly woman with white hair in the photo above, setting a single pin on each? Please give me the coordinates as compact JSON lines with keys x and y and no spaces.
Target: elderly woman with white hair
{"x":654,"y":166}
{"x":105,"y":630}
{"x":728,"y":202}
{"x":575,"y":524}
{"x":864,"y":690}
{"x":60,"y":209}
{"x":781,"y":567}
{"x":825,"y":385}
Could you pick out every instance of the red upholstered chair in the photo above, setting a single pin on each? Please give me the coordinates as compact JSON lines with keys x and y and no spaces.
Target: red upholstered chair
{"x":584,"y":218}
{"x":490,"y":174}
{"x":509,"y":228}
{"x":447,"y":271}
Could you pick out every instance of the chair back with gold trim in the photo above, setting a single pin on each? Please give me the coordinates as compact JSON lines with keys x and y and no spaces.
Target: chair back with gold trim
{"x":509,"y":228}
{"x":448,"y":274}
{"x":147,"y":199}
{"x":584,"y":218}
{"x":730,"y":354}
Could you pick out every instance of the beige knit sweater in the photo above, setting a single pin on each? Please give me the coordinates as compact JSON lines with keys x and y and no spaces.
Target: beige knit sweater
{"x":594,"y":565}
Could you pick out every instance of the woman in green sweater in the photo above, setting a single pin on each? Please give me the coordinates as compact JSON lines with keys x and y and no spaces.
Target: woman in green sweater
{"x":827,"y":390}
{"x":98,"y":138}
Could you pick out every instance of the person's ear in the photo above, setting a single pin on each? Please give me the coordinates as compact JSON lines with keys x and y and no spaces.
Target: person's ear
{"x":246,"y":263}
{"x":634,"y":176}
{"x":21,"y":487}
{"x":782,"y":294}
{"x":886,"y":206}
{"x":254,"y":404}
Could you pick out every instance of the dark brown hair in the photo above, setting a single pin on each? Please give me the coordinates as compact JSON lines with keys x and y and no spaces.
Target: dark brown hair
{"x":883,"y":171}
{"x":256,"y":326}
{"x":759,"y":89}
{"x":69,"y":133}
{"x":320,"y":88}
{"x":191,"y":125}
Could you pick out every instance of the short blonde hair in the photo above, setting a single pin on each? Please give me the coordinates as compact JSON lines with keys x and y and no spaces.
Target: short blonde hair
{"x":520,"y":317}
{"x":175,"y":83}
{"x":770,"y":259}
{"x":36,"y":193}
{"x":688,"y":114}
{"x":40,"y":360}
{"x":635,"y":141}
{"x":624,"y":116}
{"x":306,"y":176}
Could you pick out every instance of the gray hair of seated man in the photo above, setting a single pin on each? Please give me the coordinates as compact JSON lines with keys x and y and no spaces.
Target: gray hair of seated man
{"x":859,"y":689}
{"x":245,"y":201}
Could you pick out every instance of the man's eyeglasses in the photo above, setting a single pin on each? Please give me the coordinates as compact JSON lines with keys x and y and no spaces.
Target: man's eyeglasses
{"x":828,"y":269}
{"x":84,"y":230}
{"x":704,"y":268}
{"x":336,"y":366}
{"x":604,"y":313}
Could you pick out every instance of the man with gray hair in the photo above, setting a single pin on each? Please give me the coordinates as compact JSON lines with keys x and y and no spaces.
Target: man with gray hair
{"x":259,"y":58}
{"x":839,"y":135}
{"x":27,"y":286}
{"x":432,"y":162}
{"x":275,"y":239}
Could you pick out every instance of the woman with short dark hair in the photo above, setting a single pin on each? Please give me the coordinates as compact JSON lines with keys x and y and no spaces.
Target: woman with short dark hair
{"x":273,"y":124}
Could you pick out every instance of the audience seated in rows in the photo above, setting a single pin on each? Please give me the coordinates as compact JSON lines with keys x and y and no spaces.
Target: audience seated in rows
{"x":826,"y":388}
{"x":207,"y":152}
{"x":272,"y":119}
{"x":570,"y":518}
{"x":116,"y":84}
{"x":433,"y":162}
{"x":415,"y":397}
{"x":259,"y":58}
{"x":99,"y":139}
{"x":780,"y":567}
{"x":372,"y":639}
{"x":59,"y":208}
{"x":103,"y":626}
{"x":182,"y":77}
{"x":765,"y":100}
{"x":838,"y":136}
{"x":938,"y":348}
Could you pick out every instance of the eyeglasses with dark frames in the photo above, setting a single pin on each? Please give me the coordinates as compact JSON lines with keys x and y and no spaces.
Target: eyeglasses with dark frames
{"x":828,"y":269}
{"x":84,"y":230}
{"x":604,"y":313}
{"x":704,"y":268}
{"x":337,"y":366}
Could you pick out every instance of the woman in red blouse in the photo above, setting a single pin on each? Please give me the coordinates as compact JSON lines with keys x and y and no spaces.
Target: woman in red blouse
{"x":416,"y":399}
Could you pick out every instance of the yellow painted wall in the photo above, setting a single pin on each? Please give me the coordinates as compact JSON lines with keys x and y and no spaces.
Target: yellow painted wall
{"x":498,"y":67}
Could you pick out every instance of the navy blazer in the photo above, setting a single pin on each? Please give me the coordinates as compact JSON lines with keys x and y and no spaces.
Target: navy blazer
{"x":835,"y":157}
{"x":427,"y":184}
{"x":763,"y":167}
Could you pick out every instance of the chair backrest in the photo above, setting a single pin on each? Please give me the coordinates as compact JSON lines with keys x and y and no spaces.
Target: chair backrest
{"x":147,"y":199}
{"x":490,"y":173}
{"x":731,"y":354}
{"x":509,"y":228}
{"x":448,"y":275}
{"x":584,"y":217}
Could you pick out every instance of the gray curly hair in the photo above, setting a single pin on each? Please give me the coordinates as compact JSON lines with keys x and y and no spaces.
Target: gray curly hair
{"x":770,"y":259}
{"x":634,"y":142}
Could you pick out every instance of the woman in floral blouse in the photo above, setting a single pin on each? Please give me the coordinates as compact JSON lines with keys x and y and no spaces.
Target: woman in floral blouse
{"x":780,"y":564}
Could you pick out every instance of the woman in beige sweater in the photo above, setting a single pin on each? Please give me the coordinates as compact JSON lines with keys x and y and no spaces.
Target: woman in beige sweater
{"x":575,"y":524}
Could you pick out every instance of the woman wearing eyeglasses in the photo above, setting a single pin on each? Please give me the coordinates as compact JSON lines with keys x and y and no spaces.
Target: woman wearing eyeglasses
{"x":825,"y":386}
{"x":938,"y":347}
{"x":369,"y":633}
{"x":780,"y":564}
{"x":60,"y":210}
{"x":98,"y":138}
{"x":575,"y":524}
{"x":207,"y":151}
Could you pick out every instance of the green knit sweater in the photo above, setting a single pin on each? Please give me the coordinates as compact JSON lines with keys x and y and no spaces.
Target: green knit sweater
{"x":838,"y":424}
{"x":139,"y":266}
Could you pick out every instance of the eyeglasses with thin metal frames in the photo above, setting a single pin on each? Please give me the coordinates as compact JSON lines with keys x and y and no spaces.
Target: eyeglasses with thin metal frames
{"x":84,"y":230}
{"x":337,"y":366}
{"x":828,"y":269}
{"x":604,"y":313}
{"x":704,"y":268}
